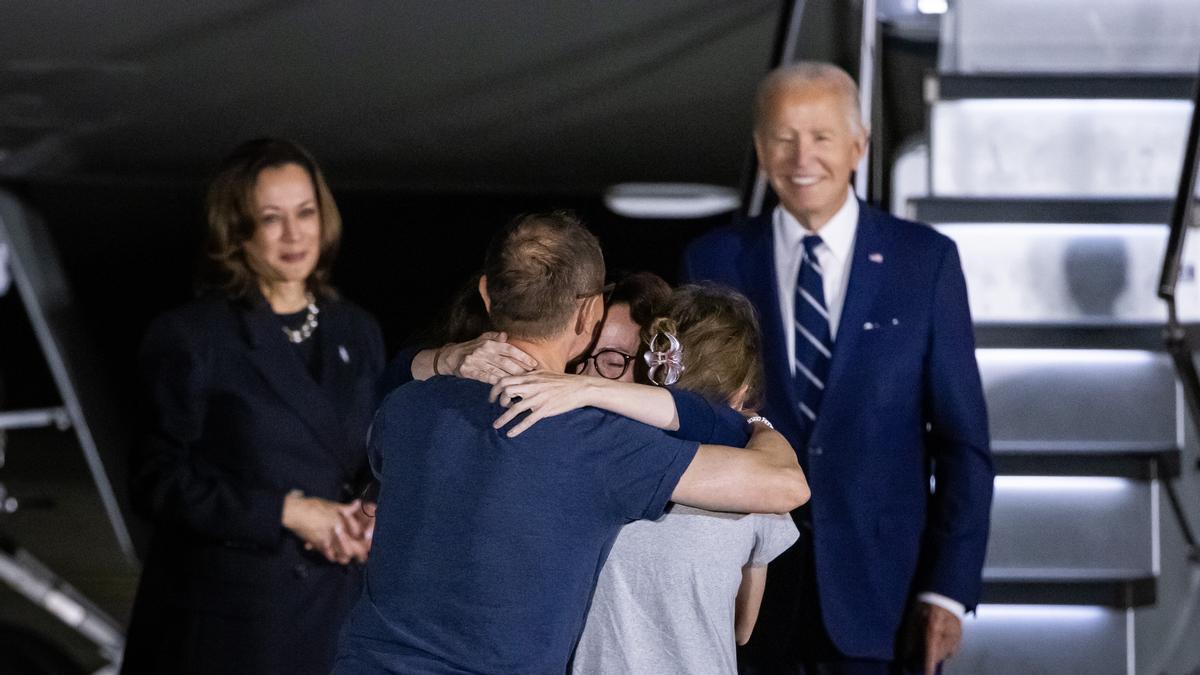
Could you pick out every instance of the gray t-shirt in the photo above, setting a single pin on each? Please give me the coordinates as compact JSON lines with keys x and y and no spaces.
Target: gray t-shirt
{"x":665,"y":599}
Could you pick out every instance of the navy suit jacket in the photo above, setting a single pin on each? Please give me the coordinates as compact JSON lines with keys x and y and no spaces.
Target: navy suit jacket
{"x":903,"y":400}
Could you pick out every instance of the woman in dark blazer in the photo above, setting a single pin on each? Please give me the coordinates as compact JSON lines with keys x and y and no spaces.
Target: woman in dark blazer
{"x":260,"y":395}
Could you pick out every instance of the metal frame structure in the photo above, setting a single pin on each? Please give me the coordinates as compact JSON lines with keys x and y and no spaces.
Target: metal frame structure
{"x":85,"y":410}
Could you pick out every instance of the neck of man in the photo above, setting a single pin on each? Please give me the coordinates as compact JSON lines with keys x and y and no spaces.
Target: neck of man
{"x":813,"y":222}
{"x":552,"y":354}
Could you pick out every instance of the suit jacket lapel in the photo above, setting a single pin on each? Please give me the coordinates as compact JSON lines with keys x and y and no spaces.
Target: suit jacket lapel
{"x":280,"y":366}
{"x":866,"y":271}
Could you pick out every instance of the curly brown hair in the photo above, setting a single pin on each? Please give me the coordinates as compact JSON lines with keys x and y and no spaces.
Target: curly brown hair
{"x":231,"y":220}
{"x":717,"y":329}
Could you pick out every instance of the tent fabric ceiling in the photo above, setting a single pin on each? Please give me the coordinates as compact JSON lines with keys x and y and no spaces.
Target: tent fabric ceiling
{"x":524,"y":96}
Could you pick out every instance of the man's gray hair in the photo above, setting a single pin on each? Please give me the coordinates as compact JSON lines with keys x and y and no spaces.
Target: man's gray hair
{"x":808,"y":73}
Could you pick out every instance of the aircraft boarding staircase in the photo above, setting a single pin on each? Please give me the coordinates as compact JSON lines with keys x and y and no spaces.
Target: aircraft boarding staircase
{"x":1055,"y":141}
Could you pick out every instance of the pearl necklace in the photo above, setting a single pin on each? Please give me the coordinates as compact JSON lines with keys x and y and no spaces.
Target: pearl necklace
{"x":305,"y":331}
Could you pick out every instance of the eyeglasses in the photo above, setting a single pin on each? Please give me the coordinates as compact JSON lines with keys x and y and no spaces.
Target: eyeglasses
{"x":605,"y":290}
{"x":610,"y":364}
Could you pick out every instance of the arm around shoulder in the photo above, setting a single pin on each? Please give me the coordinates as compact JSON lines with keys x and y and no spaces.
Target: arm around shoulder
{"x":765,"y":477}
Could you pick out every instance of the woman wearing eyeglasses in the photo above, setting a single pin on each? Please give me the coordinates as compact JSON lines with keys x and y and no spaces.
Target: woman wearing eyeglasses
{"x":675,"y":594}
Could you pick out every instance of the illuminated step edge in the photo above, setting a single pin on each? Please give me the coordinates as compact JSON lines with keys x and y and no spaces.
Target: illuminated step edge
{"x":1025,"y":85}
{"x":949,"y":87}
{"x":1007,"y":639}
{"x":994,"y":210}
{"x":1132,"y":335}
{"x":1136,"y":461}
{"x":1106,"y":588}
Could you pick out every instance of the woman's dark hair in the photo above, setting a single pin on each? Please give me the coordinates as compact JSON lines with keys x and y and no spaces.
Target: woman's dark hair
{"x":464,"y":318}
{"x":646,"y":294}
{"x":718,"y":331}
{"x":231,"y":216}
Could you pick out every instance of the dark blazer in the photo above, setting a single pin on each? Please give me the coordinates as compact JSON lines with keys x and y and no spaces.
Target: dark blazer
{"x":903,"y":399}
{"x":234,"y":422}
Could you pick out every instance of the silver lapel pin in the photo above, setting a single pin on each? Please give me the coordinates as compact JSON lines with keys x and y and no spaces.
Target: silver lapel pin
{"x":344,"y":354}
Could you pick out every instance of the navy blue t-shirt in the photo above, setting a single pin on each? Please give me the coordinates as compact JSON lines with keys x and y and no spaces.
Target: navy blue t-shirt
{"x":486,"y":548}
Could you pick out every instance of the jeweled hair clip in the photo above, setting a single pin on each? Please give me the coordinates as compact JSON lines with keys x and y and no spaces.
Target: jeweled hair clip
{"x":665,"y":365}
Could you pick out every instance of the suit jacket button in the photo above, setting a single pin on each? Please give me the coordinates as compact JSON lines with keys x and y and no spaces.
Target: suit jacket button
{"x":815,"y":450}
{"x":300,"y":570}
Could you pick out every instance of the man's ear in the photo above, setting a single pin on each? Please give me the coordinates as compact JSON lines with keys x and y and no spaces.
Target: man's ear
{"x":487,"y":301}
{"x":589,"y":316}
{"x":861,"y":142}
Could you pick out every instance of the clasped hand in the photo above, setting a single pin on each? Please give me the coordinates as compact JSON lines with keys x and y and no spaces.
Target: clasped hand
{"x":340,"y":532}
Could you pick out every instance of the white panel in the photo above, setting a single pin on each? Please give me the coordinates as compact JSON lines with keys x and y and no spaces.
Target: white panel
{"x":1058,"y":147}
{"x":1070,"y":273}
{"x":1088,"y":36}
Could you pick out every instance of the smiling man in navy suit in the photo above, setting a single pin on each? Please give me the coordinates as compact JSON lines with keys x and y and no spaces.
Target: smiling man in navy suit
{"x":871,"y":374}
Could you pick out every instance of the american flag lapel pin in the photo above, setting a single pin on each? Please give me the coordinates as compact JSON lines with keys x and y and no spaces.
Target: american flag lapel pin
{"x":875,"y":257}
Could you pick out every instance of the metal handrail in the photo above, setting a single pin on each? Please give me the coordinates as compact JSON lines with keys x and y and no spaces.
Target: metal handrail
{"x":1175,"y":335}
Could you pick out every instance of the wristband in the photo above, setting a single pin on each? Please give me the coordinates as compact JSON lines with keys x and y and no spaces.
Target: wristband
{"x":761,"y":420}
{"x":437,"y":353}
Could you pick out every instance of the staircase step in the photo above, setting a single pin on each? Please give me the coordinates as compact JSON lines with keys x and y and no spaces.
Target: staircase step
{"x":1139,"y":336}
{"x":1059,"y":403}
{"x":1110,"y":588}
{"x":1087,"y":525}
{"x":1122,"y":460}
{"x":1071,"y":36}
{"x":954,"y":86}
{"x":1046,"y":639}
{"x":968,"y":210}
{"x":1057,"y":147}
{"x":1045,"y":272}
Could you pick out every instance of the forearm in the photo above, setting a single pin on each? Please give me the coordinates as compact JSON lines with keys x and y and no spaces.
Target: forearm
{"x":423,"y":366}
{"x":763,"y":478}
{"x":748,"y":602}
{"x":650,"y":405}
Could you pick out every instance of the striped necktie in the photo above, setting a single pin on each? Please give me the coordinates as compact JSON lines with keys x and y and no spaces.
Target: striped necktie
{"x":813,"y":344}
